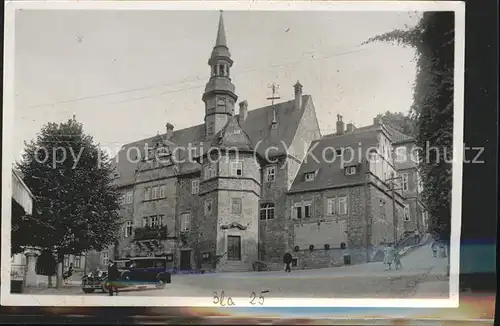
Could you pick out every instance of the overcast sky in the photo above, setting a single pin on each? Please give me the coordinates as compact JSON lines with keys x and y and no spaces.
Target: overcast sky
{"x":124,"y":74}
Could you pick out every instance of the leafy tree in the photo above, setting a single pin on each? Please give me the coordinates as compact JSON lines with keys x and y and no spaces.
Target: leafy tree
{"x":77,"y":206}
{"x":399,"y":121}
{"x":432,"y":109}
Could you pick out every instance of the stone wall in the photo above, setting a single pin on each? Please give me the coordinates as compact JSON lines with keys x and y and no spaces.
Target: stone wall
{"x":318,"y":258}
{"x":187,"y":202}
{"x":382,"y":216}
{"x":245,"y":188}
{"x":273,"y":233}
{"x":355,"y":216}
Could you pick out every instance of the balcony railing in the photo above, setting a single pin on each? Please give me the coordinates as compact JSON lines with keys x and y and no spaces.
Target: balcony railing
{"x":151,"y":233}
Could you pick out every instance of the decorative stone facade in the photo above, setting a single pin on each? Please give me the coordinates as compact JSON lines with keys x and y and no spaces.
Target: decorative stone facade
{"x":226,"y":212}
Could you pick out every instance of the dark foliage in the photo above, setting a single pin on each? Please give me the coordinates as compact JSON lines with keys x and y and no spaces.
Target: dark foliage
{"x":76,"y":204}
{"x":432,"y":110}
{"x":46,"y":263}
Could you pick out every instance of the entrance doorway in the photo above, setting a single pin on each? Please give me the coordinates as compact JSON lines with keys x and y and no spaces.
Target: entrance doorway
{"x":185,"y":260}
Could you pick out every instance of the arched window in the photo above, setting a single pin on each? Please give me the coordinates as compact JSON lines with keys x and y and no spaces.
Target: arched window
{"x":267,"y":211}
{"x":222,"y":70}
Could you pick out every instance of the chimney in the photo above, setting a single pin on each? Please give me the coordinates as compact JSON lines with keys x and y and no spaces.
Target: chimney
{"x":170,"y":130}
{"x":350,"y":127}
{"x":340,"y":125}
{"x":243,"y":111}
{"x":298,"y":95}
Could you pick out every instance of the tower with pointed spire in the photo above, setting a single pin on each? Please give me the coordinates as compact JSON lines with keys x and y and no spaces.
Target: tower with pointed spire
{"x":219,"y":95}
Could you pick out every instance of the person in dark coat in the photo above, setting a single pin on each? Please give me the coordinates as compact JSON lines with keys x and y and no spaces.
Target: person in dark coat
{"x":287,"y":259}
{"x":113,"y":275}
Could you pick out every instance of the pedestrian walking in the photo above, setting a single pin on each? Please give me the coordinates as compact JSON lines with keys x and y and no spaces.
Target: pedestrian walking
{"x":388,"y":256}
{"x":287,"y":259}
{"x":113,"y":275}
{"x":397,"y":260}
{"x":434,"y":248}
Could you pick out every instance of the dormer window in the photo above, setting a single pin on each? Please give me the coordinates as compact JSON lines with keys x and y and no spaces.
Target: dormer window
{"x":350,"y":170}
{"x":310,"y":176}
{"x":237,"y":168}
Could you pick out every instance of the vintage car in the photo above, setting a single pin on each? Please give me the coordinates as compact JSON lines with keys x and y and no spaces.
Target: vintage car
{"x":134,"y":272}
{"x":97,"y":280}
{"x":147,"y":271}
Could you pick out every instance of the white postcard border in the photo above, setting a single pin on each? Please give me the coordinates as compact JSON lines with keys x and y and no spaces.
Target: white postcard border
{"x":9,"y":299}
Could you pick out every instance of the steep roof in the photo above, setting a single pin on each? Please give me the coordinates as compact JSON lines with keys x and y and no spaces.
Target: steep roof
{"x":329,"y":168}
{"x":257,"y":127}
{"x":397,"y":136}
{"x":232,"y":136}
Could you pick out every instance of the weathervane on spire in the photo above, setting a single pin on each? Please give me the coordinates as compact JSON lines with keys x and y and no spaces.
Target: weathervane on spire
{"x":274,"y":90}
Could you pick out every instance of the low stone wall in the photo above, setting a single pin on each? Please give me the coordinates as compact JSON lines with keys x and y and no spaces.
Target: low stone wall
{"x":320,"y":258}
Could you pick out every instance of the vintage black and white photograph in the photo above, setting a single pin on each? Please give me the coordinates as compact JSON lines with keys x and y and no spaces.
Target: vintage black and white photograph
{"x":229,"y":154}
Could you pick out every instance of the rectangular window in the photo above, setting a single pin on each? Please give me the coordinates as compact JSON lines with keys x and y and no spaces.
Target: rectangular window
{"x":297,"y":210}
{"x":294,"y":262}
{"x":128,"y":228}
{"x":147,"y":193}
{"x":77,"y":261}
{"x":210,"y":128}
{"x":195,"y":187}
{"x":129,"y":197}
{"x":401,"y":154}
{"x":122,"y":199}
{"x":343,"y":205}
{"x":154,"y":193}
{"x":406,"y":213}
{"x":303,"y":209}
{"x":66,"y":260}
{"x":236,"y":169}
{"x":145,"y":222}
{"x":233,"y":247}
{"x":332,"y":206}
{"x":350,"y":170}
{"x":404,"y":181}
{"x":236,"y":206}
{"x":267,"y":211}
{"x":185,"y":221}
{"x":310,"y":176}
{"x":104,"y":258}
{"x":163,"y":191}
{"x":161,"y":219}
{"x":307,"y":209}
{"x":270,"y":173}
{"x":153,"y":221}
{"x":208,"y":207}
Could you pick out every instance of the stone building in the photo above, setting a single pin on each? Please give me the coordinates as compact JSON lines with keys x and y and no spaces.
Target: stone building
{"x":241,"y":187}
